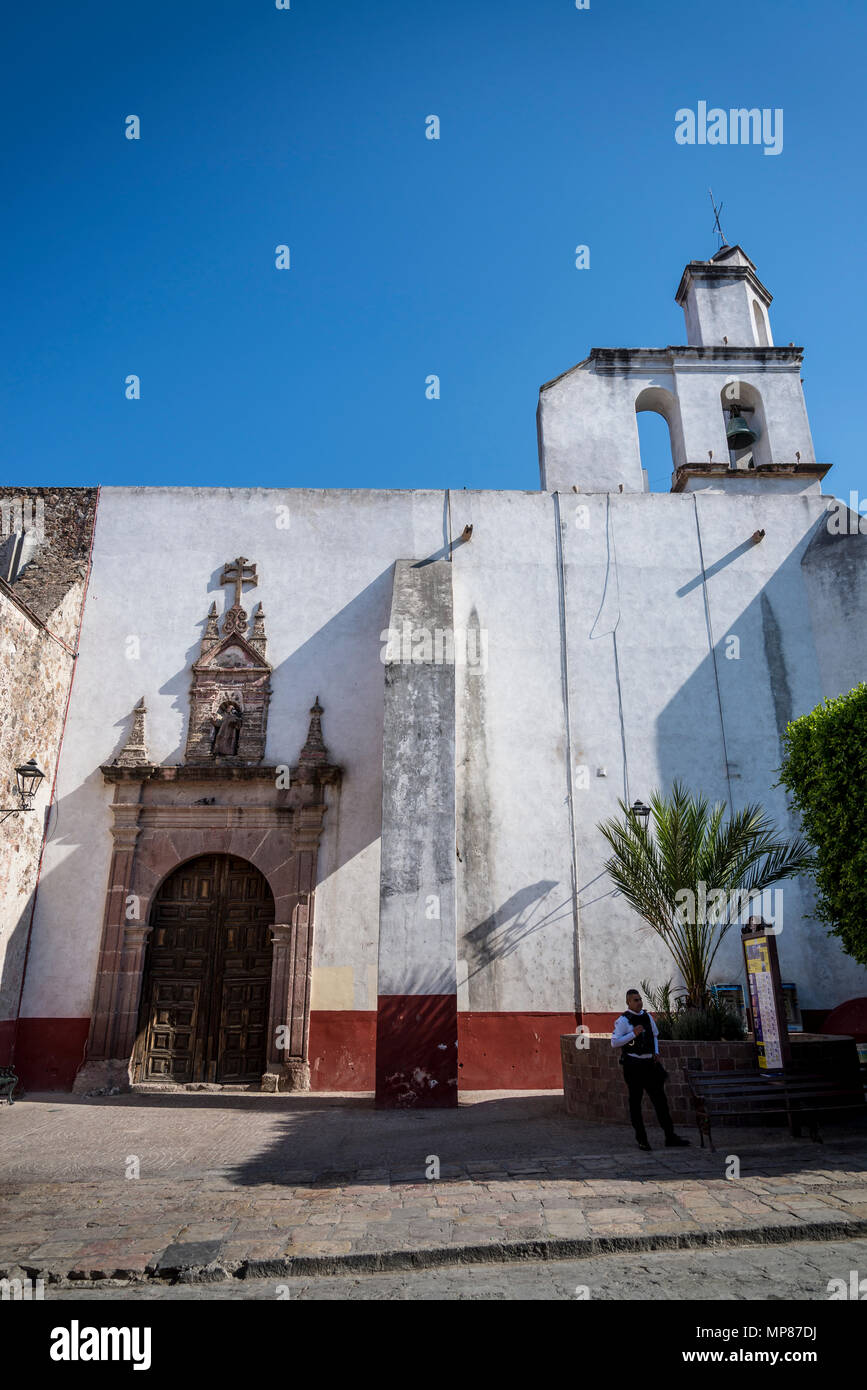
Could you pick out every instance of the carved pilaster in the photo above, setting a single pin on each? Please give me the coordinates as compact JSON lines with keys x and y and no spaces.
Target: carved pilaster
{"x":120,"y":957}
{"x":287,"y":1068}
{"x":307,"y":828}
{"x":302,"y":952}
{"x":128,"y":995}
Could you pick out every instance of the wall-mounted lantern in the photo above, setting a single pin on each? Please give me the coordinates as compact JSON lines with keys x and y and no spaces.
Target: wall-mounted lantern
{"x":641,"y":813}
{"x":27,"y":777}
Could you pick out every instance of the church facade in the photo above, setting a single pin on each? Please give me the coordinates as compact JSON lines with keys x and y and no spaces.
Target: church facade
{"x":325,"y":768}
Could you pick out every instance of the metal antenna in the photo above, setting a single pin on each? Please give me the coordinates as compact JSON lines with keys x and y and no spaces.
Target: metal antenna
{"x":716,"y":226}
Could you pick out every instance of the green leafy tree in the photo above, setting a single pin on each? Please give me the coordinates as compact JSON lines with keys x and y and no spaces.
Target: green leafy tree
{"x":825,"y":772}
{"x":690,"y":873}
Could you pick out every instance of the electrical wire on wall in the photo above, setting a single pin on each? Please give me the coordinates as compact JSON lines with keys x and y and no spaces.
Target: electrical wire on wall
{"x":570,"y":797}
{"x":712,"y":645}
{"x":611,"y":566}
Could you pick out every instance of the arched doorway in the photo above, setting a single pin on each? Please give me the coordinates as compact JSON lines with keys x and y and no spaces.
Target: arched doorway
{"x":207,"y":976}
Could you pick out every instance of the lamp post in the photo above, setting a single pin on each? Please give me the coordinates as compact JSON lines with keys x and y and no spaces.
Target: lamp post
{"x":641,"y":813}
{"x":27,"y":777}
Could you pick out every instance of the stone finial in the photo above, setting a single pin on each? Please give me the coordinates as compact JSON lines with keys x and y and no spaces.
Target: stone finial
{"x":211,"y":635}
{"x":134,"y":752}
{"x":314,"y":750}
{"x":258,"y":639}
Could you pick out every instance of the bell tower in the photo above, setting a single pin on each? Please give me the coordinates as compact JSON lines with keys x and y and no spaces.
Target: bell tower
{"x":733,"y":402}
{"x":724,"y":302}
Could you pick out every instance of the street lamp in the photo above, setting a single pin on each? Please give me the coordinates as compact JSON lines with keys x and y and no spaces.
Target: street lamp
{"x":27,"y":777}
{"x":641,"y":813}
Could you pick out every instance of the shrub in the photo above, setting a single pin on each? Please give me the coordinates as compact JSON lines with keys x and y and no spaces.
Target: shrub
{"x":825,"y":771}
{"x":678,"y":1021}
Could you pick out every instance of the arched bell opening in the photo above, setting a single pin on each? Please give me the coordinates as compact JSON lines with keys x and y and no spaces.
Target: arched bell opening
{"x":762,"y":328}
{"x":745,"y":426}
{"x":660,"y":436}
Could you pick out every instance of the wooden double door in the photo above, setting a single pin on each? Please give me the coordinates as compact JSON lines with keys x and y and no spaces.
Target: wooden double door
{"x":207,"y":979}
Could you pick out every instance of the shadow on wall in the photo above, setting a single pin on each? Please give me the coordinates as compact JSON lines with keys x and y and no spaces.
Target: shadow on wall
{"x":519,"y":917}
{"x":348,"y":643}
{"x":722,"y":734}
{"x":769,"y":648}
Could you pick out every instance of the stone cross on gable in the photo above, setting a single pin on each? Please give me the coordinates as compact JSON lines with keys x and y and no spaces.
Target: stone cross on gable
{"x":239,"y":572}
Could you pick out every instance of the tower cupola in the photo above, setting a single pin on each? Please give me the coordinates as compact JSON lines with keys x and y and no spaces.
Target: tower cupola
{"x":724,"y":302}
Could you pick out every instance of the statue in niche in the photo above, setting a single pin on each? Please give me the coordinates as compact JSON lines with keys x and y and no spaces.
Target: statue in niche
{"x":227,"y":729}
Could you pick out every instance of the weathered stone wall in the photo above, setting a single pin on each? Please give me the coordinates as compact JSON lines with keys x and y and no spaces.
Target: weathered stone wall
{"x":56,"y":559}
{"x":40,"y":613}
{"x":417,"y":1027}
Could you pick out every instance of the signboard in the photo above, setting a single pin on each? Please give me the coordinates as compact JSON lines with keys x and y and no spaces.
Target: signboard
{"x":766,"y":997}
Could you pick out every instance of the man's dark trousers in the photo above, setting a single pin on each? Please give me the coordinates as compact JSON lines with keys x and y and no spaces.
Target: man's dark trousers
{"x":646,"y":1076}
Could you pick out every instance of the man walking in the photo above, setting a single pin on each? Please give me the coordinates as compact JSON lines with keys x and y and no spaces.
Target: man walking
{"x":635,"y":1033}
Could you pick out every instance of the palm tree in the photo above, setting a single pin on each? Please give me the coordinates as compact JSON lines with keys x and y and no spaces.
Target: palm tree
{"x":692,"y":860}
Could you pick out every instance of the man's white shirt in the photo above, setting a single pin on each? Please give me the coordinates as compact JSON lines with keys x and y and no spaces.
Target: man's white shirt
{"x":623,"y":1034}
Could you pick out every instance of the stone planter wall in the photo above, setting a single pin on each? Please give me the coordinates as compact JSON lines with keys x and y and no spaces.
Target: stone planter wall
{"x":593,"y":1078}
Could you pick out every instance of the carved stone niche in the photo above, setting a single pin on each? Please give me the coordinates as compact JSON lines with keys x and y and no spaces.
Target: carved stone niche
{"x":231,"y":687}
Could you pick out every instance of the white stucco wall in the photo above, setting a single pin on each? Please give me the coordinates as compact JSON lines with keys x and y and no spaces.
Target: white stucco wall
{"x":516,"y":938}
{"x":325,"y":583}
{"x":549,"y":681}
{"x":716,"y":725}
{"x":717,"y":311}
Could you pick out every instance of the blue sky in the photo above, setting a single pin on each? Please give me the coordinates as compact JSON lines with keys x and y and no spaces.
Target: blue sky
{"x":408,"y":256}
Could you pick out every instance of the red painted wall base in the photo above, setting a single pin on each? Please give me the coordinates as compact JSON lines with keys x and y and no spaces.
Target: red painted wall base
{"x":511,"y":1051}
{"x":360,"y":1050}
{"x":417,"y":1051}
{"x":48,"y":1051}
{"x":342,"y":1049}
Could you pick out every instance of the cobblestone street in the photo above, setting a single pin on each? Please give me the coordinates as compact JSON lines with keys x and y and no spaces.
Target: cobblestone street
{"x":202,"y":1186}
{"x":778,"y":1273}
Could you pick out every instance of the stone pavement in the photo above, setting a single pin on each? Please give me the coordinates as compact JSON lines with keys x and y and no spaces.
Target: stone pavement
{"x":211,"y":1186}
{"x":762,"y":1273}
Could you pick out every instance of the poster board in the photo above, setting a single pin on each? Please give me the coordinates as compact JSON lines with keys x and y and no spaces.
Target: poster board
{"x":762,"y":967}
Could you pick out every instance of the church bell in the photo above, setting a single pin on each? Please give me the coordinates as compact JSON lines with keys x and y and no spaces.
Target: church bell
{"x":738,"y":434}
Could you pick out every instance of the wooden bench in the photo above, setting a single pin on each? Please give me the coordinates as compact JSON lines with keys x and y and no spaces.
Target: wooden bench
{"x":8,"y":1082}
{"x":801,"y":1097}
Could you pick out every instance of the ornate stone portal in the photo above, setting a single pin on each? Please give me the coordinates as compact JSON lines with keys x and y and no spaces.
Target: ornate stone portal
{"x":222,"y":800}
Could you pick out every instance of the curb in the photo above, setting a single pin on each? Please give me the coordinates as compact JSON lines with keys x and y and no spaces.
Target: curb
{"x":160,"y":1271}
